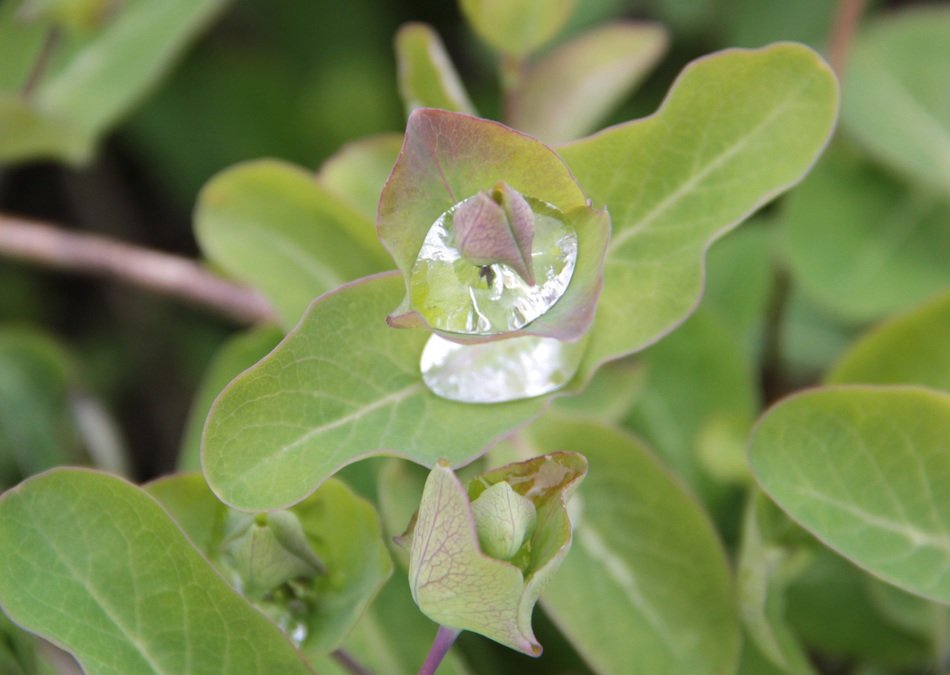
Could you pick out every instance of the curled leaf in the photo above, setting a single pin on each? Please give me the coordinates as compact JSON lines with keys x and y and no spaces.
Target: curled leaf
{"x":455,"y":579}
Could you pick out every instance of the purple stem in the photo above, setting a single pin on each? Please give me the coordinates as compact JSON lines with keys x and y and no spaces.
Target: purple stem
{"x":444,"y":639}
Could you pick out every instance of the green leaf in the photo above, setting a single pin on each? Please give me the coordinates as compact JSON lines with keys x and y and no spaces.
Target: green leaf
{"x":427,"y":78}
{"x":27,"y":132}
{"x":737,"y":129}
{"x":340,"y":528}
{"x":646,"y":568}
{"x":104,"y":74}
{"x":766,"y":565}
{"x":895,"y":98}
{"x":517,"y":27}
{"x":865,"y":470}
{"x":358,"y":171}
{"x":454,"y":579}
{"x":862,"y":244}
{"x":234,"y":357}
{"x":95,"y":565}
{"x":909,"y":349}
{"x":567,"y":93}
{"x":324,"y":399}
{"x":610,"y":395}
{"x":37,"y":430}
{"x":272,"y":226}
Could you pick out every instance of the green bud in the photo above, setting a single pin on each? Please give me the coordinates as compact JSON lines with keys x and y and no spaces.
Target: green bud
{"x":504,"y":520}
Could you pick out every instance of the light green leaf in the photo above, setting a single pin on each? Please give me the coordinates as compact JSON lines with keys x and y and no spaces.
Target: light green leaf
{"x":896,"y":99}
{"x":341,"y":529}
{"x":100,"y":77}
{"x":517,"y":27}
{"x":37,"y":431}
{"x":357,"y":172}
{"x":235,"y":356}
{"x":737,"y":129}
{"x":862,"y":244}
{"x":456,"y":582}
{"x":646,"y":574}
{"x":427,"y":78}
{"x":766,"y":565}
{"x":326,"y":398}
{"x":909,"y":349}
{"x":272,"y":226}
{"x":564,"y":95}
{"x":865,"y":469}
{"x":610,"y":395}
{"x":95,"y":565}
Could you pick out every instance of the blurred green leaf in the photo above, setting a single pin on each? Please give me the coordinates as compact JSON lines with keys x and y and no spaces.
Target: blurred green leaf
{"x":645,"y":559}
{"x":863,"y":244}
{"x":97,"y":79}
{"x":26,"y":132}
{"x":341,"y":528}
{"x":427,"y":78}
{"x":567,"y":93}
{"x":235,"y":356}
{"x":865,"y":469}
{"x":609,"y":396}
{"x":517,"y":27}
{"x":37,"y":431}
{"x":909,"y":349}
{"x":271,"y":225}
{"x":745,"y":126}
{"x":97,"y":566}
{"x":754,"y":23}
{"x":896,"y":100}
{"x":70,"y":15}
{"x":358,"y":171}
{"x":343,"y":386}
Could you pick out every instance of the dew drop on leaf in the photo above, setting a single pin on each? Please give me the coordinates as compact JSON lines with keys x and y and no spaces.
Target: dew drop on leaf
{"x":496,"y":372}
{"x":456,"y":295}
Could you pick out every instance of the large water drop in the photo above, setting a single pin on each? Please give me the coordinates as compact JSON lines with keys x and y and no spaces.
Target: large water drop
{"x":496,"y":372}
{"x":456,"y":296}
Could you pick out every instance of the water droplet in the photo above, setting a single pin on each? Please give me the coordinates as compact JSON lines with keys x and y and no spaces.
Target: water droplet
{"x":495,"y":372}
{"x":456,"y":296}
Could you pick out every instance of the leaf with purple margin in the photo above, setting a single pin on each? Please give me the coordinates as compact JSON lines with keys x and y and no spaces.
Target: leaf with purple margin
{"x":427,"y":78}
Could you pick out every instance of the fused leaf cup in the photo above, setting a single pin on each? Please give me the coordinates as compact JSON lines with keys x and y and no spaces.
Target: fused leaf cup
{"x":494,"y":237}
{"x":480,"y":554}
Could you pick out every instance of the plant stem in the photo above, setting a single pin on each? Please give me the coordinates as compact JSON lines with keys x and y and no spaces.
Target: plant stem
{"x":162,"y":273}
{"x":50,"y":41}
{"x":444,"y":639}
{"x":842,"y":33}
{"x":345,"y":659}
{"x":773,"y":375}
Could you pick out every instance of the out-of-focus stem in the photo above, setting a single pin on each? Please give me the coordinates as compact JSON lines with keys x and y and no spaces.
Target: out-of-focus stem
{"x":350,"y":664}
{"x":845,"y":25}
{"x":50,"y":246}
{"x":40,"y":64}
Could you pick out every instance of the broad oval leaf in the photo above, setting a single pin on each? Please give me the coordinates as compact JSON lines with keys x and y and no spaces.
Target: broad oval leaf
{"x":866,"y":470}
{"x":564,"y":95}
{"x":646,"y":574}
{"x":863,"y":244}
{"x":737,"y":129}
{"x":896,"y":100}
{"x":909,"y":349}
{"x":517,"y":27}
{"x":95,"y":565}
{"x":273,"y":226}
{"x":342,"y":386}
{"x":427,"y":78}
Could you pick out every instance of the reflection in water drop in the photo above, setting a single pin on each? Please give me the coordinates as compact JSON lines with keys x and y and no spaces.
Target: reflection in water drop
{"x":495,"y":372}
{"x":457,"y":296}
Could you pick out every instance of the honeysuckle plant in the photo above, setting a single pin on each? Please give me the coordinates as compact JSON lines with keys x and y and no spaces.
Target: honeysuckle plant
{"x":531,"y":321}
